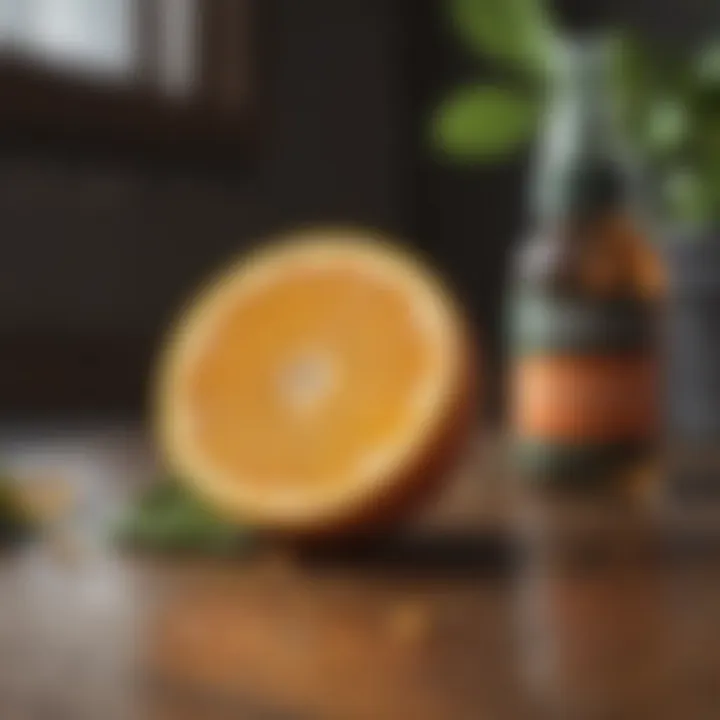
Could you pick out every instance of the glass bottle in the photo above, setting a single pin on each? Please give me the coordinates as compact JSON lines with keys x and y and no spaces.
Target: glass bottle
{"x":585,"y":293}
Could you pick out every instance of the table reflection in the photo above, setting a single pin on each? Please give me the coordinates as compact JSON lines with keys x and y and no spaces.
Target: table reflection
{"x":593,"y":612}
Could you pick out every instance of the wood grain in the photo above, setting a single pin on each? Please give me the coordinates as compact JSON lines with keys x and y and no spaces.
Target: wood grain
{"x":363,"y":635}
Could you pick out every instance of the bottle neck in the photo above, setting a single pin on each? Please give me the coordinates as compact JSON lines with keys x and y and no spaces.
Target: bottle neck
{"x":580,"y":171}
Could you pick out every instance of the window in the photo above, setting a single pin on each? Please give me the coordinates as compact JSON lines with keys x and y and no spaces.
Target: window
{"x":83,"y":36}
{"x":94,"y":66}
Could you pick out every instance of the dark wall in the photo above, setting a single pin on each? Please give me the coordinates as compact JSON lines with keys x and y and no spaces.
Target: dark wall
{"x":340,"y":146}
{"x":467,"y":217}
{"x":96,"y":254}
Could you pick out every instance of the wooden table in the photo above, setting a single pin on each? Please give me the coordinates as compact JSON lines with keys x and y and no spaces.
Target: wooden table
{"x":456,"y":629}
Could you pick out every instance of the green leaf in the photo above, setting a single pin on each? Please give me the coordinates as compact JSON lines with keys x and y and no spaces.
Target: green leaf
{"x":516,"y":31}
{"x":707,"y":65}
{"x":14,"y":520}
{"x":668,"y":125}
{"x":654,"y":89}
{"x":168,"y":517}
{"x":687,"y":196}
{"x":481,"y":124}
{"x":636,"y":84}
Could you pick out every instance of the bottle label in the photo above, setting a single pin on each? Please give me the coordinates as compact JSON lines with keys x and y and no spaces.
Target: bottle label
{"x":577,"y":398}
{"x":584,"y":379}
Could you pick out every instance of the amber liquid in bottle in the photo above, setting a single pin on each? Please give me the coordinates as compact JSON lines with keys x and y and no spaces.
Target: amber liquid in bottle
{"x":586,"y":290}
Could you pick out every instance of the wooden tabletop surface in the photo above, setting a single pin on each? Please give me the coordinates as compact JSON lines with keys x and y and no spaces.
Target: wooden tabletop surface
{"x":449,"y":627}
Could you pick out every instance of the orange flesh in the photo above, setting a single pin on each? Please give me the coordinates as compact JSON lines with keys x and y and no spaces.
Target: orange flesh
{"x":304,"y":377}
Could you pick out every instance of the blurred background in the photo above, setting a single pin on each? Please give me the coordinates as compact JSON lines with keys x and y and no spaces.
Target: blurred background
{"x":142,"y":143}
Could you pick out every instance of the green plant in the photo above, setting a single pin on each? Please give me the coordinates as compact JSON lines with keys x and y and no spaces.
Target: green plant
{"x":14,"y":519}
{"x":669,"y":102}
{"x":168,"y":518}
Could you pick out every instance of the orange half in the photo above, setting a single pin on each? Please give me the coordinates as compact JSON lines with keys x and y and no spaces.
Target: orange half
{"x":320,"y":382}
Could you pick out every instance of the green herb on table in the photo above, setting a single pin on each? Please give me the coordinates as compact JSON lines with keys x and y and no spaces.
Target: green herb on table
{"x":169,"y":518}
{"x":14,"y":519}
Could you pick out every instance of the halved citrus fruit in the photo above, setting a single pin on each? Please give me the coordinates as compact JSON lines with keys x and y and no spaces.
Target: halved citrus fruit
{"x":321,"y":382}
